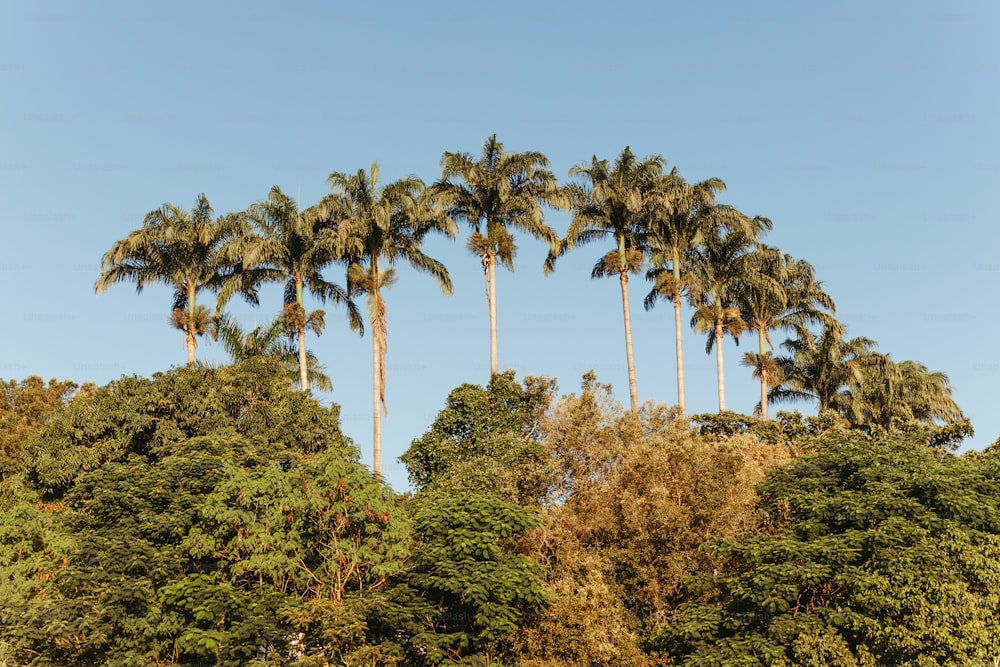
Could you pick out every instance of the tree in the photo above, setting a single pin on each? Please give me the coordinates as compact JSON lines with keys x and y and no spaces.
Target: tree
{"x":294,"y":247}
{"x":717,"y":268}
{"x":634,"y":503}
{"x":820,"y":367}
{"x":106,"y":554}
{"x":777,"y":292}
{"x":468,"y":565}
{"x":614,"y":201}
{"x":486,"y":439}
{"x":181,"y":249}
{"x":25,"y":406}
{"x":880,"y":552}
{"x":270,"y":340}
{"x":379,"y":227}
{"x":497,"y":194}
{"x":685,"y":215}
{"x":887,"y":395}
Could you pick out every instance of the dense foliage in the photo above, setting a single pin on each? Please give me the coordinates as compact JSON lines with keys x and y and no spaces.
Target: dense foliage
{"x":217,"y":517}
{"x":874,"y":553}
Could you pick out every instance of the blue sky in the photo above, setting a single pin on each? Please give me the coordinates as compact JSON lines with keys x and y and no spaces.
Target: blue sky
{"x":866,"y":131}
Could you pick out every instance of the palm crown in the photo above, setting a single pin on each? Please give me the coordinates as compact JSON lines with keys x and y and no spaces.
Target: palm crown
{"x":183,"y":250}
{"x":495,"y":195}
{"x":376,"y":228}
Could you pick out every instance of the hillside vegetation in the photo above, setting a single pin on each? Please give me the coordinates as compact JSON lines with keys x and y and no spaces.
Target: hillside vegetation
{"x":217,"y":517}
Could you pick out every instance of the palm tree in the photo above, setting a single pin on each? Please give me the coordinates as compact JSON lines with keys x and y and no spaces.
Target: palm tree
{"x":294,"y":247}
{"x":777,"y":292}
{"x":685,"y":215}
{"x":614,"y":201}
{"x":270,"y":340}
{"x":496,"y":194}
{"x":889,"y":394}
{"x":380,"y":226}
{"x":820,"y":367}
{"x":181,"y":249}
{"x":716,"y":272}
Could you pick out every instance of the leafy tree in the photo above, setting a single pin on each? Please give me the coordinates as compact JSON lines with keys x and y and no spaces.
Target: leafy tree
{"x":486,"y":439}
{"x":380,"y":226}
{"x":881,"y":552}
{"x":467,"y":564}
{"x":496,"y":194}
{"x":889,"y":394}
{"x":614,"y":201}
{"x":777,"y":292}
{"x":25,"y":406}
{"x":313,"y":546}
{"x":635,"y":501}
{"x":717,"y":269}
{"x":820,"y":367}
{"x":294,"y":247}
{"x":116,"y":483}
{"x":269,"y":340}
{"x":684,"y":216}
{"x":183,"y":250}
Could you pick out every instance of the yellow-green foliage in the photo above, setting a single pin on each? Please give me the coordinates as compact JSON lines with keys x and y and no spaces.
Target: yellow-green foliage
{"x":637,"y":500}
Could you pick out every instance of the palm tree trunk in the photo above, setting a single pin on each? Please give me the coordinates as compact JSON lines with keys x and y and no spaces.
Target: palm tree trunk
{"x":303,"y":374}
{"x":763,"y":376}
{"x":679,"y":345}
{"x":192,"y":342}
{"x":303,"y":371}
{"x":377,"y":403}
{"x":719,"y":369}
{"x":490,"y":262}
{"x":633,"y":392}
{"x":376,"y":310}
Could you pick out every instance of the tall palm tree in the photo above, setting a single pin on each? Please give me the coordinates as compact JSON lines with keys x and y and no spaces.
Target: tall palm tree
{"x":777,"y":292}
{"x":717,"y":269}
{"x":294,"y":247}
{"x":183,"y":250}
{"x":614,"y":201}
{"x":684,"y":215}
{"x":379,"y":227}
{"x":820,"y":367}
{"x":270,"y":340}
{"x":496,"y":194}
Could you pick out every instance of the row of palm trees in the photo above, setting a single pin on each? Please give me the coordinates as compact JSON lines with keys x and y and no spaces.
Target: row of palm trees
{"x":691,"y":247}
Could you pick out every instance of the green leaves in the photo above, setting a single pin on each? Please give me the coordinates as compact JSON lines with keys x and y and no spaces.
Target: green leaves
{"x":466,"y":564}
{"x":878,"y":551}
{"x":485,"y":439}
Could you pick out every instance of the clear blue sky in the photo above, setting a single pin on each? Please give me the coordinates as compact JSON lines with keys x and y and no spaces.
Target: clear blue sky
{"x":866,"y":131}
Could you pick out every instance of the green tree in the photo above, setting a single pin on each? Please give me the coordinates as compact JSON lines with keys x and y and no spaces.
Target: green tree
{"x":294,"y":247}
{"x":717,"y":268}
{"x":686,"y":214}
{"x":497,"y":194}
{"x":777,"y":292}
{"x":889,"y":394}
{"x":316,"y":543}
{"x":270,"y":340}
{"x":614,"y":201}
{"x":380,"y":226}
{"x":881,"y":552}
{"x":183,"y":250}
{"x":468,"y":566}
{"x":121,"y":550}
{"x":486,"y":440}
{"x":820,"y":367}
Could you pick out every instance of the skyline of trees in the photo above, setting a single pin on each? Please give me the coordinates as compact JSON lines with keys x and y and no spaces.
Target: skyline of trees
{"x":697,"y":250}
